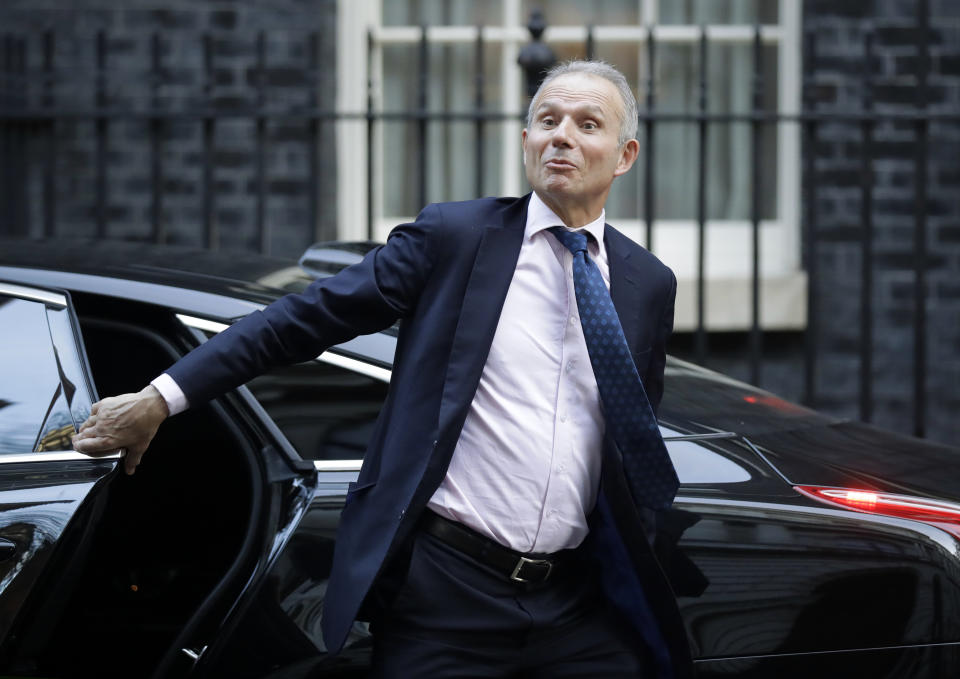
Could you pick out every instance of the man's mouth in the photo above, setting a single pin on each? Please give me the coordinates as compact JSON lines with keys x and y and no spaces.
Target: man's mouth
{"x":559,"y":163}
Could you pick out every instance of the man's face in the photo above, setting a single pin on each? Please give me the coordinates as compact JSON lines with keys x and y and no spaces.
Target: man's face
{"x":571,"y":150}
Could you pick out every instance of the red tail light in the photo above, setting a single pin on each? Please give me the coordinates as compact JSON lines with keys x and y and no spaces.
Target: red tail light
{"x":943,"y":515}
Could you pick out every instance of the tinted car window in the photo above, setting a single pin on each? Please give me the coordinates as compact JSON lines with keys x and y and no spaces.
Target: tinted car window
{"x":76,"y":389}
{"x":327,"y":412}
{"x":34,"y":410}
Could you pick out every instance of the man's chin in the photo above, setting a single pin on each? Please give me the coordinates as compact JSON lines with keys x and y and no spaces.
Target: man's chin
{"x":560,"y":185}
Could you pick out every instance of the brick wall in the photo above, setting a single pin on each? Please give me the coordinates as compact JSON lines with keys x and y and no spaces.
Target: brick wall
{"x":232,"y":28}
{"x":838,"y":86}
{"x":839,"y":64}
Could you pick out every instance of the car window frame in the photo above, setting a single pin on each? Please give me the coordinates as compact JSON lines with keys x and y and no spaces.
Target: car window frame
{"x":57,"y":300}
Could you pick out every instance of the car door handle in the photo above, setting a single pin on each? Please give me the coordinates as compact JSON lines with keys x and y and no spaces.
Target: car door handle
{"x":7,"y":549}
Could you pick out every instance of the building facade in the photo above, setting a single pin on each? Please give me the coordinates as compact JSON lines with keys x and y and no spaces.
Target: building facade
{"x":798,"y":157}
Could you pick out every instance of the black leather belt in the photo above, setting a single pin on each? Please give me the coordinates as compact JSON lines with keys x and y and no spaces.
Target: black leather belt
{"x":523,"y":568}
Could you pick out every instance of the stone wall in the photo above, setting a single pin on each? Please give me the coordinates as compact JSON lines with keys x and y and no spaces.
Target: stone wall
{"x":838,"y":86}
{"x":299,"y":47}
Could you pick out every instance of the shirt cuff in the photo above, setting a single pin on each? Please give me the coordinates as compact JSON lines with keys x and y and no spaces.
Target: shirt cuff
{"x":171,"y":393}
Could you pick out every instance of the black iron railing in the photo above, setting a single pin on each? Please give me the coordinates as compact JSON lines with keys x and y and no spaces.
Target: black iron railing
{"x":29,"y":108}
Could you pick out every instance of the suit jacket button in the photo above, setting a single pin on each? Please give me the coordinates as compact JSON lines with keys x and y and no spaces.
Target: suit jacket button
{"x":402,"y":512}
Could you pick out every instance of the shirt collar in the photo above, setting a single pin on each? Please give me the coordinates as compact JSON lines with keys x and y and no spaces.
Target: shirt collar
{"x":540,"y":217}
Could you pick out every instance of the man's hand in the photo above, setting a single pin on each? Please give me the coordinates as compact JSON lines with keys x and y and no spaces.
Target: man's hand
{"x":128,"y":421}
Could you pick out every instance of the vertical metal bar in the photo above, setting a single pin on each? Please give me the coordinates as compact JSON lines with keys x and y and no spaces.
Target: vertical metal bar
{"x":101,"y":136}
{"x":16,"y":156}
{"x":156,"y":143}
{"x":810,"y":200}
{"x":591,"y":47}
{"x":648,"y":137}
{"x":210,"y":238}
{"x":866,"y":234}
{"x":313,"y":141}
{"x":445,"y":159}
{"x":50,"y":162}
{"x":920,"y":227}
{"x":263,"y":233}
{"x":422,"y":119}
{"x":23,"y":139}
{"x":478,"y":105}
{"x":370,"y":140}
{"x":756,"y":340}
{"x":701,"y":339}
{"x":6,"y":165}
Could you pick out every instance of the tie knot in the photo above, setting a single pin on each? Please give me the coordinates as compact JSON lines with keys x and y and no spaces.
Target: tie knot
{"x":574,"y":241}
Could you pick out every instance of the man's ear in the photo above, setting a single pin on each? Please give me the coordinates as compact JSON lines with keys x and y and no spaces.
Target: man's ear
{"x":628,"y":155}
{"x":523,"y":146}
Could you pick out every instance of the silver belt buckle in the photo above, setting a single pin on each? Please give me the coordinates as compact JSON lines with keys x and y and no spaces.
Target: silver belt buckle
{"x":515,"y":576}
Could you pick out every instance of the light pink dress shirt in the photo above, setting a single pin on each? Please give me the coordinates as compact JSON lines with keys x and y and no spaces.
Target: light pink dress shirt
{"x":526,"y":468}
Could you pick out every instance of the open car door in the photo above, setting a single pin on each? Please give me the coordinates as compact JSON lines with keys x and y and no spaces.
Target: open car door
{"x":45,"y":394}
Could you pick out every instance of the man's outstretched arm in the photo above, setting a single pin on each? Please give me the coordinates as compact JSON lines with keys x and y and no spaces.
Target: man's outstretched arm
{"x":361,"y":299}
{"x":127,"y":422}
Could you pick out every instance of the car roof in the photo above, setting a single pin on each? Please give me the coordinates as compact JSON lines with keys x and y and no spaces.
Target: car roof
{"x":243,"y":275}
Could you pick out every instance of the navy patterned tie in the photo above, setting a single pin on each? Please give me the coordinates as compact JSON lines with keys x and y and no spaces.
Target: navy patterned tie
{"x":629,"y":417}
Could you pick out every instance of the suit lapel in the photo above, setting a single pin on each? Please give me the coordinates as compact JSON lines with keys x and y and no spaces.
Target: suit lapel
{"x":624,"y":281}
{"x":493,"y":268}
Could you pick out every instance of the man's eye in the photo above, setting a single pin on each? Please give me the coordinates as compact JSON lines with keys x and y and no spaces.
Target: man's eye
{"x":548,"y":122}
{"x":589,"y":125}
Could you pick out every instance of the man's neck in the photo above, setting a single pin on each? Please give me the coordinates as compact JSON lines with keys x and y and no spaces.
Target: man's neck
{"x":573,"y":216}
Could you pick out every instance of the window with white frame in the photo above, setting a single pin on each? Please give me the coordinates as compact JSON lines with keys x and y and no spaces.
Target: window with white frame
{"x":620,"y":31}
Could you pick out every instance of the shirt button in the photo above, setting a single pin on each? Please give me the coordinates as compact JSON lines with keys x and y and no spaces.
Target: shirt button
{"x":569,"y":366}
{"x":563,"y":417}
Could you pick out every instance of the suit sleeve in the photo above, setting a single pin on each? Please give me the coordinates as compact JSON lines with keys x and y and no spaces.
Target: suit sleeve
{"x":361,"y":299}
{"x":658,"y":356}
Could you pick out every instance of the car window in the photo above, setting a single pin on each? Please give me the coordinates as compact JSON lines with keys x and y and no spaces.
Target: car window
{"x":326,"y":411}
{"x":695,"y":463}
{"x":35,"y":396}
{"x":77,"y":391}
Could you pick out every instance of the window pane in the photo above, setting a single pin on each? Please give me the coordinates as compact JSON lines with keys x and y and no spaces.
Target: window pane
{"x":442,"y":12}
{"x":718,"y":11}
{"x":325,"y":411}
{"x":577,"y":12}
{"x":33,"y":411}
{"x":451,"y":145}
{"x":729,"y":144}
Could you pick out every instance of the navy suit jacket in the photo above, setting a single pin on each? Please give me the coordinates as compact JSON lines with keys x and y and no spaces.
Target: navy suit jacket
{"x":445,"y":276}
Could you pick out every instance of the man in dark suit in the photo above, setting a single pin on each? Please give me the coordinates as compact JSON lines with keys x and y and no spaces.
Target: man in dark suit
{"x":499,"y":510}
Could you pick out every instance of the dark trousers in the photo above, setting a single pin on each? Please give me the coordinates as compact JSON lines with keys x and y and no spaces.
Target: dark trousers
{"x":455,"y":617}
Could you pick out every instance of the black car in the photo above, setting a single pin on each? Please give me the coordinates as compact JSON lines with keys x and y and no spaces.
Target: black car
{"x":799,"y":545}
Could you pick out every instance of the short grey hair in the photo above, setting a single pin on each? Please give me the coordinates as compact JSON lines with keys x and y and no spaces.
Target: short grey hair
{"x":599,"y":69}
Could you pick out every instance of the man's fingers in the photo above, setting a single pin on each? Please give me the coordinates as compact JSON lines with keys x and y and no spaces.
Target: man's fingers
{"x":131,"y":460}
{"x":87,"y":431}
{"x":91,"y":445}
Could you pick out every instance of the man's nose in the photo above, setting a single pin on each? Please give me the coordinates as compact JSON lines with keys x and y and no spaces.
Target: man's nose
{"x":562,"y":133}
